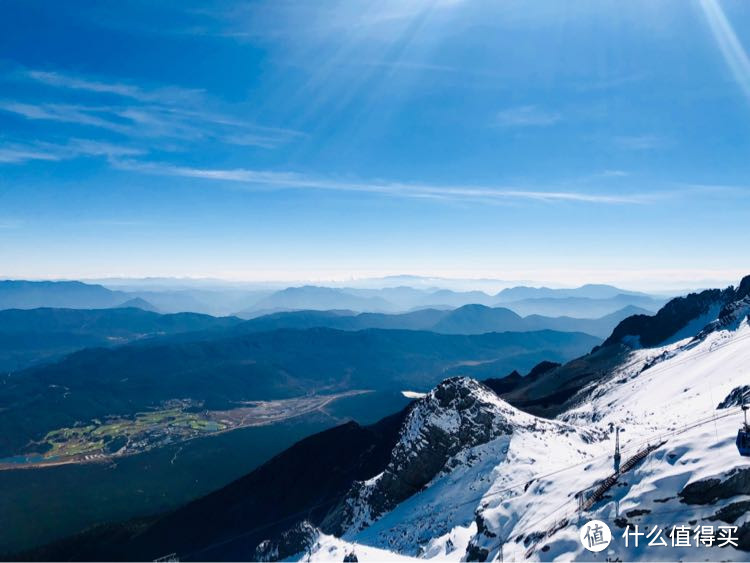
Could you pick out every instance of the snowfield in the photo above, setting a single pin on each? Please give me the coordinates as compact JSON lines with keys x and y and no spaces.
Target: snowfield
{"x":514,"y":497}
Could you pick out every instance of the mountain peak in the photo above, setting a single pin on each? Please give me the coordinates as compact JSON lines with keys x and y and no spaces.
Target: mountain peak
{"x":137,"y":303}
{"x":458,"y":414}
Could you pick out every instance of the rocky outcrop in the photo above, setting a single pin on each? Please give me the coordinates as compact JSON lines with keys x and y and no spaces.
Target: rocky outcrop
{"x":502,"y":385}
{"x":736,"y":397}
{"x":708,"y":491}
{"x":459,"y":413}
{"x":731,"y":512}
{"x":514,"y":380}
{"x":649,"y":331}
{"x":477,"y":549}
{"x":476,"y":553}
{"x":299,"y":539}
{"x":541,"y":368}
{"x":730,"y":316}
{"x":733,"y":306}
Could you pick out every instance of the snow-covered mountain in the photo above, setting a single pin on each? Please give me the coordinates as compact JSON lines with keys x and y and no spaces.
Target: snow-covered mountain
{"x":474,"y":478}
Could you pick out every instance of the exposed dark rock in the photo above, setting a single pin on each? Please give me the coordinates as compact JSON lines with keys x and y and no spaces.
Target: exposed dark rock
{"x":743,"y":537}
{"x":653,"y":330}
{"x":298,"y":539}
{"x":556,"y":390}
{"x":533,"y":537}
{"x":730,"y":316}
{"x":458,"y":414}
{"x":737,"y":396}
{"x":515,"y":380}
{"x":743,"y":290}
{"x":731,"y":512}
{"x":621,"y":522}
{"x":475,"y":553}
{"x":482,"y":528}
{"x":542,"y":367}
{"x":502,"y":385}
{"x":707,"y":491}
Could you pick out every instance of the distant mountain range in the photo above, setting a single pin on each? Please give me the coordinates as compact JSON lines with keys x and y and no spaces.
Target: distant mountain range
{"x":30,"y":336}
{"x":295,"y":298}
{"x":68,"y":294}
{"x":222,"y":368}
{"x":589,"y":291}
{"x":468,"y":319}
{"x":588,"y":301}
{"x":22,"y":294}
{"x":33,"y":336}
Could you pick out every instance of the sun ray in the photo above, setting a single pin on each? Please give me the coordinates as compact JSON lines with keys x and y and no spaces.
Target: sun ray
{"x":732,"y":50}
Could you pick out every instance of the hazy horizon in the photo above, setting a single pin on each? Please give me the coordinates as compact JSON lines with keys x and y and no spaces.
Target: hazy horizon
{"x":666,"y":284}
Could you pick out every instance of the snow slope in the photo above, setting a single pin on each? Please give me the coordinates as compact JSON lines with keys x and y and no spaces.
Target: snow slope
{"x":513,"y":496}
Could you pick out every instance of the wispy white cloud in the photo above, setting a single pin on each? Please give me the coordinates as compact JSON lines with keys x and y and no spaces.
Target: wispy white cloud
{"x":734,"y":53}
{"x":12,"y":152}
{"x":65,"y":113}
{"x":614,"y":173}
{"x":99,"y":148}
{"x":260,"y":179}
{"x":640,"y":142}
{"x":154,"y":121}
{"x":165,"y":95}
{"x":526,"y":116}
{"x":138,"y":112}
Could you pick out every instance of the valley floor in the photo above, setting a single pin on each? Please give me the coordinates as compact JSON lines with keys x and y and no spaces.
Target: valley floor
{"x":177,"y":422}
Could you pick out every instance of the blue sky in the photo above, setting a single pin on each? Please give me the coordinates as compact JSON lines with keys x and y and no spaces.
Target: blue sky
{"x":552,"y":141}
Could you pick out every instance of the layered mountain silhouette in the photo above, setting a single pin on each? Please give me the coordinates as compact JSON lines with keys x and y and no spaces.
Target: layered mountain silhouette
{"x":589,"y":301}
{"x":65,"y":294}
{"x":586,"y":302}
{"x":31,"y":336}
{"x":588,"y":291}
{"x":468,"y":319}
{"x":408,"y":481}
{"x":683,"y":317}
{"x":220,"y":370}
